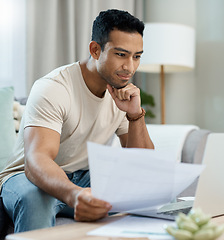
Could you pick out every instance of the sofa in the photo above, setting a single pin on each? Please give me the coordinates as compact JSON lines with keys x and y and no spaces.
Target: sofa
{"x":186,"y":141}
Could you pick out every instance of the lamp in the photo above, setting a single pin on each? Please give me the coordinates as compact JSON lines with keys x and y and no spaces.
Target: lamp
{"x":167,"y":48}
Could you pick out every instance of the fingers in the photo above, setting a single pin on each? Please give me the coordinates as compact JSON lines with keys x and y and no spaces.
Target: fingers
{"x":124,"y":93}
{"x":86,"y":197}
{"x":85,"y":213}
{"x":127,"y":99}
{"x":88,"y":208}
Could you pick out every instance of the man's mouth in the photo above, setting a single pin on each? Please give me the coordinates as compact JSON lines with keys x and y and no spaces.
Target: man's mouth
{"x":124,"y":76}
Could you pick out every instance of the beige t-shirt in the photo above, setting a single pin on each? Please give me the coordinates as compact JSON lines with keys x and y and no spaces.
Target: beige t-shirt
{"x":61,"y":101}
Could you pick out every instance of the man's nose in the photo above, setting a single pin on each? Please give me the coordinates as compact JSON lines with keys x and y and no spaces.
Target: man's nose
{"x":129,"y":65}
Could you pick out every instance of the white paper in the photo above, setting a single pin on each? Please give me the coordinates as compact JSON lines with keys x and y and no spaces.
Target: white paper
{"x":131,"y":226}
{"x":134,"y":179}
{"x":187,"y":198}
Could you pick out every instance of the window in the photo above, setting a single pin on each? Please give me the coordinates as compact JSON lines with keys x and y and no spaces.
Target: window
{"x":12,"y":45}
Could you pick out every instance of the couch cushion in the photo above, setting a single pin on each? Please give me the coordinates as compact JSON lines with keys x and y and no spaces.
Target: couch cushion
{"x":170,"y":137}
{"x":7,"y":128}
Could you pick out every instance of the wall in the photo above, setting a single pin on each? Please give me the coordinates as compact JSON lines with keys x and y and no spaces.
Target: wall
{"x":210,"y":65}
{"x":194,"y":97}
{"x":179,"y":87}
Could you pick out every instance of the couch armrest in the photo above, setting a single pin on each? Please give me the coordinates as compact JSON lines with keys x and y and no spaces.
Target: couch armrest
{"x":193,"y":149}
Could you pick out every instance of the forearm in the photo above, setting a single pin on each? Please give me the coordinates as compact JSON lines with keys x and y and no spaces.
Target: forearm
{"x":49,"y":177}
{"x":41,"y":146}
{"x":138,"y":136}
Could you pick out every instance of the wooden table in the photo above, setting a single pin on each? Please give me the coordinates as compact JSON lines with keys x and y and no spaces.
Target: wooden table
{"x":78,"y":230}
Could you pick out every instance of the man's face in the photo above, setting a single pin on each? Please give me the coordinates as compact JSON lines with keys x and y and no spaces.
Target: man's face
{"x":120,"y":58}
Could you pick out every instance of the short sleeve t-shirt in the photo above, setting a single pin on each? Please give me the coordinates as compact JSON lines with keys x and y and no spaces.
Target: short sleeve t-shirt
{"x":61,"y":101}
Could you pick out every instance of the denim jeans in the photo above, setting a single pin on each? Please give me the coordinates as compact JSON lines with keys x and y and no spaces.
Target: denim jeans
{"x":31,"y":208}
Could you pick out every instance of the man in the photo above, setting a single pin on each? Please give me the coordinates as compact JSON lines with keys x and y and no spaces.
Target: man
{"x":80,"y":102}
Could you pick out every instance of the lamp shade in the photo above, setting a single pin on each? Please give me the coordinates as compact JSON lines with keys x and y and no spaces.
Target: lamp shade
{"x":170,"y":45}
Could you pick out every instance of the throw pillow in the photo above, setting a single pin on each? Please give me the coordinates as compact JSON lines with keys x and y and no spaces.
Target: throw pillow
{"x":7,"y":128}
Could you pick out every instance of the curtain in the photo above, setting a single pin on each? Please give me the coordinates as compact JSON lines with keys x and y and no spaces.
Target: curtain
{"x":59,"y":31}
{"x":12,"y":45}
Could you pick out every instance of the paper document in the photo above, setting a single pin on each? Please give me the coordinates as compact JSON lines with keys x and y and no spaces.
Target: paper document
{"x":132,"y":179}
{"x":134,"y":227}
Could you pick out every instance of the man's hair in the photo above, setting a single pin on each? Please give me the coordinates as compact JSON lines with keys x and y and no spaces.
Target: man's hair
{"x":113,"y":19}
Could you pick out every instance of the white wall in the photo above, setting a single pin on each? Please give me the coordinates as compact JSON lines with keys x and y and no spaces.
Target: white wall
{"x":195,"y":97}
{"x":210,"y":65}
{"x":179,"y":87}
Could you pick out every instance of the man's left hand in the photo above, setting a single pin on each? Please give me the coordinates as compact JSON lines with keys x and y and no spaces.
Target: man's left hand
{"x":127,"y":99}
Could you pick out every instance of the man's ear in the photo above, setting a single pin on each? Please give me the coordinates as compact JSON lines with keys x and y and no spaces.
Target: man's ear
{"x":94,"y":49}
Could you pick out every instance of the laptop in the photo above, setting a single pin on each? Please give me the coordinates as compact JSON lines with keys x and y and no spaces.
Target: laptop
{"x":210,"y":188}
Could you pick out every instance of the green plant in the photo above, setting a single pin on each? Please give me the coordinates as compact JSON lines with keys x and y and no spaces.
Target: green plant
{"x":147,"y":102}
{"x":195,"y":226}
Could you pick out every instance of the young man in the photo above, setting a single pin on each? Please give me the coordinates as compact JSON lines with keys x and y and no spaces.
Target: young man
{"x":80,"y":102}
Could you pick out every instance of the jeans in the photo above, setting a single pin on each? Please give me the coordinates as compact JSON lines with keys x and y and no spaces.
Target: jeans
{"x":31,"y":208}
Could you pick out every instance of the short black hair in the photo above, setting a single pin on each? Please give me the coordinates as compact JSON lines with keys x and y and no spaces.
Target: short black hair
{"x":113,"y":19}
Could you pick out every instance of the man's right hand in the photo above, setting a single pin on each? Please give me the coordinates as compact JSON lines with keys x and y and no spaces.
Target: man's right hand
{"x":41,"y":148}
{"x":89,"y":208}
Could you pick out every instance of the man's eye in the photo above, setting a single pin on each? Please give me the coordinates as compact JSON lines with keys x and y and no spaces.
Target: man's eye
{"x":120,"y":54}
{"x":137,"y":56}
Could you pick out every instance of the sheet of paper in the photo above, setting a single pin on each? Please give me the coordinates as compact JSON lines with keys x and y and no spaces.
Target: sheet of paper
{"x":131,"y":226}
{"x":132,"y":179}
